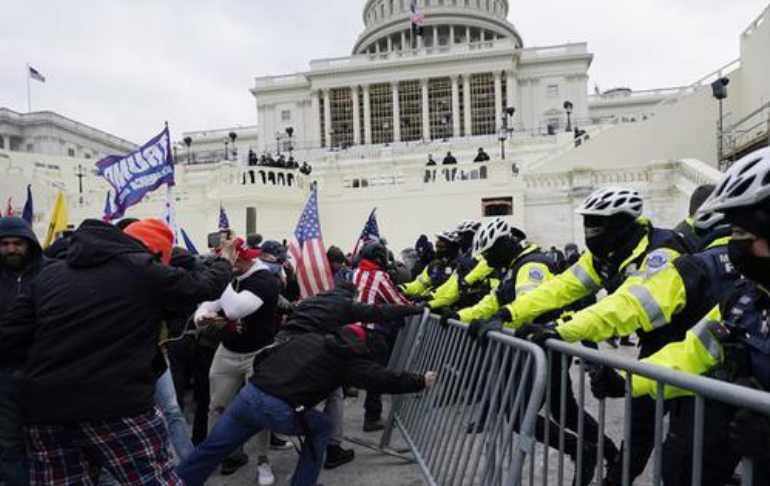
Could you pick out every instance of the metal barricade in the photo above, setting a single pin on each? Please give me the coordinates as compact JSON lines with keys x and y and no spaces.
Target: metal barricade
{"x":709,"y":453}
{"x":477,"y":425}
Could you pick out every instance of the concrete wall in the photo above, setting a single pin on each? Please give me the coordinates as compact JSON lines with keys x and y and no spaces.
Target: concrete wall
{"x":755,"y":63}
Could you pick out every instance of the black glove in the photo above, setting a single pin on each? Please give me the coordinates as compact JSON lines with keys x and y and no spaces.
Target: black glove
{"x":446,"y":315}
{"x":480,"y":328}
{"x":607,"y":383}
{"x":538,"y":333}
{"x":750,"y":434}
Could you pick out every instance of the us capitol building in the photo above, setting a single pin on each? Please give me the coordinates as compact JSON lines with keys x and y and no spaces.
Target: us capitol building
{"x":368,"y":122}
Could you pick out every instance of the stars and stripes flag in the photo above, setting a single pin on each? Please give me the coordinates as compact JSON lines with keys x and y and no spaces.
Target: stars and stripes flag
{"x":418,"y":19}
{"x":308,"y":251}
{"x":371,"y":232}
{"x":35,"y":74}
{"x":224,"y":221}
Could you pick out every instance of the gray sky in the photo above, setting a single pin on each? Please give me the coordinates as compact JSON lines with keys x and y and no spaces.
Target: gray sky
{"x":125,"y":66}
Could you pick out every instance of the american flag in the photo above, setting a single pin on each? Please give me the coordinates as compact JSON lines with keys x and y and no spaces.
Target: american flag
{"x":35,"y":74}
{"x":417,"y":19}
{"x":224,"y":223}
{"x":9,"y":210}
{"x":370,"y":233}
{"x":308,"y":251}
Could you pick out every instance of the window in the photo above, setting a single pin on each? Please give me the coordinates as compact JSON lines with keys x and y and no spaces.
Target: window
{"x":410,"y":101}
{"x":70,"y":152}
{"x":286,"y":115}
{"x":381,"y":100}
{"x":483,"y":104}
{"x":322,"y":118}
{"x":30,"y":147}
{"x":342,"y":117}
{"x":88,"y":156}
{"x":498,"y":206}
{"x":552,"y":91}
{"x":440,"y":102}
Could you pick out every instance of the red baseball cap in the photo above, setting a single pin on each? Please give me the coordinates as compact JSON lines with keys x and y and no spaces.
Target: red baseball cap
{"x":243,"y":251}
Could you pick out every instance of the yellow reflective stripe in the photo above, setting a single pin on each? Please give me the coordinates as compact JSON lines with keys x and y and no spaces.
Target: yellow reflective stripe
{"x":719,"y":242}
{"x":423,"y":281}
{"x":649,"y":304}
{"x":703,"y":333}
{"x":524,"y":289}
{"x":582,"y":275}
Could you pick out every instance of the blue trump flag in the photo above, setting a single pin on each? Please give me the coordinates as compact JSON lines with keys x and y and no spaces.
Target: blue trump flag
{"x":134,"y":175}
{"x":188,"y":243}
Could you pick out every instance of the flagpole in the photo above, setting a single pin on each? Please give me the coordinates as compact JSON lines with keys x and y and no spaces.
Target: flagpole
{"x":29,"y":95}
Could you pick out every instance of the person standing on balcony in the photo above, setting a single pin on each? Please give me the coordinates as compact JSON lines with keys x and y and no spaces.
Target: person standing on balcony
{"x":481,"y":156}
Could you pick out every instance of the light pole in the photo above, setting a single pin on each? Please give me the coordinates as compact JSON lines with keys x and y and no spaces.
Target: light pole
{"x":226,"y":141}
{"x":233,"y":136}
{"x":504,"y":129}
{"x":188,"y":141}
{"x":568,"y":109}
{"x":719,"y":91}
{"x":80,"y":172}
{"x":278,"y":142}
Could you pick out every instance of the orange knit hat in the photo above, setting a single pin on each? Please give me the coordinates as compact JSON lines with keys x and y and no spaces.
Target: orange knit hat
{"x":155,"y":235}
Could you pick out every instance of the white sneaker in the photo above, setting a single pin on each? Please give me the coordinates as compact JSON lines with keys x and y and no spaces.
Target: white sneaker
{"x":265,"y":474}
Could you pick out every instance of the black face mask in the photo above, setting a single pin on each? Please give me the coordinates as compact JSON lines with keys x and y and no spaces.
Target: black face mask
{"x":502,"y":253}
{"x":747,"y":263}
{"x":614,"y":245}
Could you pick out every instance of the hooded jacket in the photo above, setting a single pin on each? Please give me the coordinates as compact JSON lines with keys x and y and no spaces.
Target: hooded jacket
{"x":327,"y":312}
{"x":16,"y":282}
{"x":89,"y":326}
{"x":305,"y":370}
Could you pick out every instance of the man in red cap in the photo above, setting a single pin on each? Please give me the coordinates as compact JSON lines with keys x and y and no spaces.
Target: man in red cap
{"x":247,"y":311}
{"x":87,"y":334}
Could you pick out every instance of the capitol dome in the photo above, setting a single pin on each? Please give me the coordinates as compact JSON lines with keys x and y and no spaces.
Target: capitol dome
{"x":447,"y":22}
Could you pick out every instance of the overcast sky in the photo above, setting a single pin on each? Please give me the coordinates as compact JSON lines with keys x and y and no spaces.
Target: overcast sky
{"x":125,"y":66}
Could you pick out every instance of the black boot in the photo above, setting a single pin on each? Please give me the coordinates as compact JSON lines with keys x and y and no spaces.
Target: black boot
{"x":233,"y":463}
{"x":337,"y":456}
{"x":372,"y":425}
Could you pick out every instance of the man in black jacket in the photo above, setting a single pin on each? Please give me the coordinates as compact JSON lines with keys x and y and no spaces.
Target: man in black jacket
{"x":327,"y":313}
{"x":289,"y":380}
{"x":87,"y":334}
{"x":20,"y":261}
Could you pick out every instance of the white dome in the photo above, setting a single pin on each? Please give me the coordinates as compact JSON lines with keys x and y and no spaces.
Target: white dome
{"x":386,"y":20}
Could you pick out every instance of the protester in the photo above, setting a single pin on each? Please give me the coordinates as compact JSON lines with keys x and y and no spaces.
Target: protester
{"x":338,"y":263}
{"x":247,"y":311}
{"x":91,"y":357}
{"x":481,"y":156}
{"x":20,"y":261}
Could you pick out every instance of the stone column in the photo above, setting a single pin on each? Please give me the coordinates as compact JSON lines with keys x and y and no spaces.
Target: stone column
{"x":403,"y":41}
{"x":467,"y":35}
{"x":510,"y":90}
{"x":367,"y":116}
{"x":328,"y":117}
{"x":451,"y":35}
{"x":467,"y":104}
{"x":356,"y":115}
{"x":435,"y":36}
{"x":390,"y":43}
{"x":425,"y":110}
{"x":396,"y":112}
{"x":498,"y":101}
{"x":455,"y":106}
{"x":315,"y":117}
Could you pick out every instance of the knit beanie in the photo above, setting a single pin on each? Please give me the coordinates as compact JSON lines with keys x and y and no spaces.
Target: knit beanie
{"x":155,"y":235}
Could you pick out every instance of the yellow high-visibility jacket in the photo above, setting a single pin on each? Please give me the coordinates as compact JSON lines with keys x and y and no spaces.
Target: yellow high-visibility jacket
{"x":529,"y":270}
{"x":449,"y":293}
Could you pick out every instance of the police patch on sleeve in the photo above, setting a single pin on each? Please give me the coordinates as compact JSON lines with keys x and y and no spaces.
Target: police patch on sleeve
{"x":536,"y":275}
{"x":655,"y":262}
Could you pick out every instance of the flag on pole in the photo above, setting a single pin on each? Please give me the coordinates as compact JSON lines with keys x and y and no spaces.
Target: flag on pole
{"x":417,"y":19}
{"x":370,"y":233}
{"x":224,"y":221}
{"x":58,"y":219}
{"x":138,"y":173}
{"x":35,"y":74}
{"x":308,"y":251}
{"x":28,"y":213}
{"x":188,"y":242}
{"x":108,"y":210}
{"x":9,"y":207}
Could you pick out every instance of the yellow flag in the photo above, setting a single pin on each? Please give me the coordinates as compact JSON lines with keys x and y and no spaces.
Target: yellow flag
{"x":58,"y":219}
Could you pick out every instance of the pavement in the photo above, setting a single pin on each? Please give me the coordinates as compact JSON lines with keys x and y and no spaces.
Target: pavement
{"x":370,"y":468}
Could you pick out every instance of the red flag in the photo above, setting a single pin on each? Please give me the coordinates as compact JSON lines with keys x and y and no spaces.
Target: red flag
{"x":9,"y":209}
{"x":308,"y":251}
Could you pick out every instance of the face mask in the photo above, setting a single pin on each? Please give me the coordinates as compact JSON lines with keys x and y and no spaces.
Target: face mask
{"x":747,"y":263}
{"x":502,"y":253}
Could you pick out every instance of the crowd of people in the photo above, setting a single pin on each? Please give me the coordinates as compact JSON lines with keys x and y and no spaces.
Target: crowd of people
{"x":107,"y":334}
{"x":267,"y":160}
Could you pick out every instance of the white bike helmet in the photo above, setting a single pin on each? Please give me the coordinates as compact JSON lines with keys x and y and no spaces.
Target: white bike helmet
{"x":746,"y":183}
{"x":610,"y":201}
{"x":489,"y":234}
{"x":705,"y":220}
{"x":450,"y":236}
{"x":468,"y":226}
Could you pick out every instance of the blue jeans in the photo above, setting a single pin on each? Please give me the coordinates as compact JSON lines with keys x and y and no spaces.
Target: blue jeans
{"x":179,"y":430}
{"x":250,"y":412}
{"x":14,"y":455}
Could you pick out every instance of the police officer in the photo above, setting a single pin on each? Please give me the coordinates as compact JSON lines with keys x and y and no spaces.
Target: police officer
{"x":733,"y":341}
{"x":659,"y":304}
{"x":621,"y":244}
{"x":472,"y":279}
{"x":437,"y":271}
